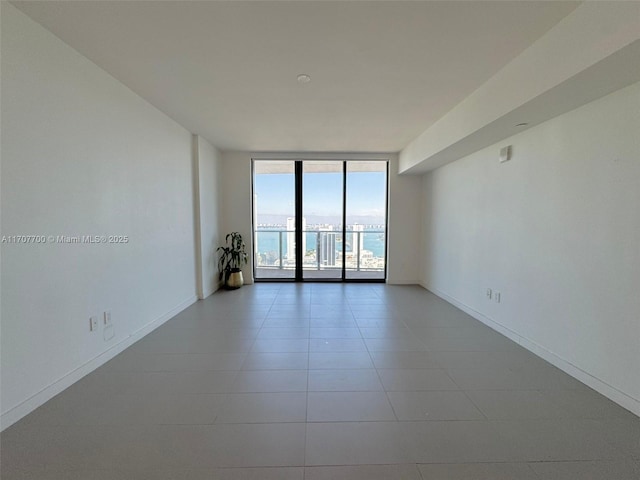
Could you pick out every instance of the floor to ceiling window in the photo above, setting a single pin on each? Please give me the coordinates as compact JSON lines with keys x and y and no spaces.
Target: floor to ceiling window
{"x":274,"y":215}
{"x":320,"y":220}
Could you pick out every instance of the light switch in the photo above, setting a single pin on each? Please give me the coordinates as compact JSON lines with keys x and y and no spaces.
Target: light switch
{"x":505,"y":154}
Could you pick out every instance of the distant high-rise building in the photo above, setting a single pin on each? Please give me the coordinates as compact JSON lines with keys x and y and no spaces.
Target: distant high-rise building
{"x":256,"y":249}
{"x":358,"y":238}
{"x":291,"y":237}
{"x":328,"y":249}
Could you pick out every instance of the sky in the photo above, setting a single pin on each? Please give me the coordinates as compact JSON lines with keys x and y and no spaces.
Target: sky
{"x":322,"y":194}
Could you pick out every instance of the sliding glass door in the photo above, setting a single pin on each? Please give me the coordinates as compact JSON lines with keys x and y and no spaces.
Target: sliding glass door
{"x":366,"y":220}
{"x":322,"y":210}
{"x":320,"y":220}
{"x":274,"y":214}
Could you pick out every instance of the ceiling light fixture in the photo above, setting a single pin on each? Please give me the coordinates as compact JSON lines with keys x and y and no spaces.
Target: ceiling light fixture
{"x":304,"y":78}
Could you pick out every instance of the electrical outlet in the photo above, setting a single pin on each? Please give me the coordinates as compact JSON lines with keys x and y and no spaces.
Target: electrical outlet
{"x":93,"y":323}
{"x":108,"y":333}
{"x":489,"y":293}
{"x":107,"y":317}
{"x":497,"y":296}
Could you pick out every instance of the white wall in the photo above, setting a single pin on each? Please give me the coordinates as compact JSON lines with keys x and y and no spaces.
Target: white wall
{"x":83,"y":155}
{"x":591,"y":52}
{"x":405,"y":226}
{"x":404,"y":208}
{"x":557,"y":231}
{"x":236,"y":202}
{"x":208,"y":214}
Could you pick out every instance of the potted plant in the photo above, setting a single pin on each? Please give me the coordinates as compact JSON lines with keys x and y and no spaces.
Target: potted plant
{"x":232,"y":257}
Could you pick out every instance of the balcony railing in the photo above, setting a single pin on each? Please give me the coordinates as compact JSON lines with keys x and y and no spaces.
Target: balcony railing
{"x":323,"y":250}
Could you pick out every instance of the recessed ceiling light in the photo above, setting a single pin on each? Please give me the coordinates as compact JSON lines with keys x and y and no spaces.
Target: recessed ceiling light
{"x":304,"y":78}
{"x":524,"y":124}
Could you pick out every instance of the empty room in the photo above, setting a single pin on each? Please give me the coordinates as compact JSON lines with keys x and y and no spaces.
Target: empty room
{"x":311,"y":240}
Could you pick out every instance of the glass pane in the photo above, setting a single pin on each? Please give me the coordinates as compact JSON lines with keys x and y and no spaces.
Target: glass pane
{"x":322,"y":195}
{"x":274,"y":219}
{"x":365,"y":246}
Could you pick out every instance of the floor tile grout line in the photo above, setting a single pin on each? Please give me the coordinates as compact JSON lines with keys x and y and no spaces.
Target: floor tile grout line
{"x":486,"y":417}
{"x":386,"y":394}
{"x":306,"y":412}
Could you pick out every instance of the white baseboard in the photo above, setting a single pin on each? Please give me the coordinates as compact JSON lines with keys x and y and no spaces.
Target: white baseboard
{"x":393,"y":281}
{"x":600,"y":386}
{"x":14,"y":414}
{"x":210,"y":291}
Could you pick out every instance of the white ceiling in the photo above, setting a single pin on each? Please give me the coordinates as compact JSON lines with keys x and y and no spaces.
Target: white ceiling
{"x":382,"y":72}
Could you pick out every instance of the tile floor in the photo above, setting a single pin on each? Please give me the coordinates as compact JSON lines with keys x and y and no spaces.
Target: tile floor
{"x":325,"y":381}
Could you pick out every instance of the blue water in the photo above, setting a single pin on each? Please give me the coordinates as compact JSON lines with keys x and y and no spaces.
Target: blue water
{"x":268,"y":242}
